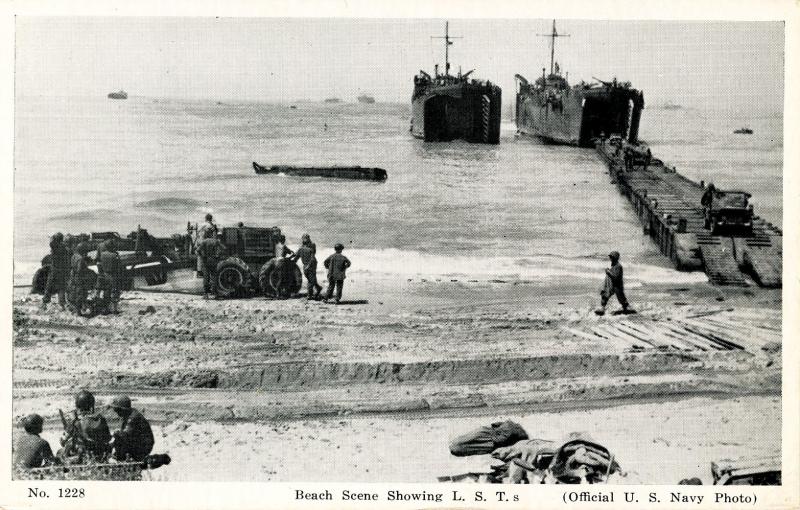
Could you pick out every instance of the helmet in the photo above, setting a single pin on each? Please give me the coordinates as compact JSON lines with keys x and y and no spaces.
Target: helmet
{"x":33,"y":423}
{"x":209,"y":217}
{"x":121,"y":402}
{"x":58,"y":236}
{"x":339,"y":247}
{"x":84,"y":400}
{"x":83,"y":248}
{"x":614,"y":255}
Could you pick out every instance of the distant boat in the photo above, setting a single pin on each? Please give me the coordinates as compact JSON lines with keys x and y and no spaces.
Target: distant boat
{"x":333,"y":100}
{"x":118,"y":95}
{"x":293,"y":107}
{"x":743,"y":131}
{"x":363,"y":98}
{"x":669,"y":105}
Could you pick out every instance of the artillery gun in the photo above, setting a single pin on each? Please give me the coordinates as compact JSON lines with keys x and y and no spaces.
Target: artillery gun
{"x":249,"y":267}
{"x":142,"y":255}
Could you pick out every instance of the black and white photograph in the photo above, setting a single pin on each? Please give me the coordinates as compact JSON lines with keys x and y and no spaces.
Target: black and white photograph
{"x":443,"y":250}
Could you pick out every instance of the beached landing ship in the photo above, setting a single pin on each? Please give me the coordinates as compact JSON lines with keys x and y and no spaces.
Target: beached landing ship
{"x":558,"y":113}
{"x":118,"y":95}
{"x":446,"y":107}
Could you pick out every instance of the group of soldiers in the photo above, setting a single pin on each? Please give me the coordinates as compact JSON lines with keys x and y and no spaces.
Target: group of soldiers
{"x":71,"y":279}
{"x":211,"y":251}
{"x":87,"y":437}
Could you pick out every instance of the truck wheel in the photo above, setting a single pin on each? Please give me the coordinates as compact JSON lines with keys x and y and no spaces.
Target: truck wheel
{"x":40,"y":280}
{"x":268,"y":278}
{"x":232,"y":278}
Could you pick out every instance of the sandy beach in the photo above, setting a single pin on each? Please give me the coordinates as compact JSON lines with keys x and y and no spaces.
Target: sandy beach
{"x":386,"y":381}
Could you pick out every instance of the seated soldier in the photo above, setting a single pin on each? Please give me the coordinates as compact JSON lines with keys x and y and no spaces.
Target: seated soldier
{"x":134,"y":440}
{"x":88,"y":435}
{"x":30,"y":450}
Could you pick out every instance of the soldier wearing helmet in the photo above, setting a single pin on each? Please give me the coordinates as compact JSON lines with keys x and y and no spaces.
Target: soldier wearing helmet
{"x":307,"y":253}
{"x":81,"y":278}
{"x":109,"y":279}
{"x":613,"y":285}
{"x":88,"y":434}
{"x":30,"y":450}
{"x":336,"y":265}
{"x":134,"y":440}
{"x":59,"y":271}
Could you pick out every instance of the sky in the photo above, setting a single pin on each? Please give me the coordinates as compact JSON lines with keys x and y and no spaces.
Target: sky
{"x":733,"y":65}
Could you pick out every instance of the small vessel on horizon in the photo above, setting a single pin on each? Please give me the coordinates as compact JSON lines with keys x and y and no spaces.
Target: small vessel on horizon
{"x":118,"y":95}
{"x":366,"y":99}
{"x":575,"y":115}
{"x":333,"y":100}
{"x":743,"y":131}
{"x":446,"y":107}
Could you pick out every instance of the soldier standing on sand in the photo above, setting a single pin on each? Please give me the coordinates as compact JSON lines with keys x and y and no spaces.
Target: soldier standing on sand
{"x":134,"y":439}
{"x":208,"y":226}
{"x":210,"y":251}
{"x":59,"y":272}
{"x":283,"y":267}
{"x":109,"y":280}
{"x":81,"y":278}
{"x":647,"y":158}
{"x":613,"y":285}
{"x":307,"y":253}
{"x":336,"y":265}
{"x":30,"y":450}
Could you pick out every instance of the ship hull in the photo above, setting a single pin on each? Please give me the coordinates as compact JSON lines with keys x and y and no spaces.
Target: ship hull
{"x":464,"y":111}
{"x":577,"y":116}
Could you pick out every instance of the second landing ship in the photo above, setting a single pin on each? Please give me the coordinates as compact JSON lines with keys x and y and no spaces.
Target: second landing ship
{"x":558,"y":113}
{"x":445,"y":107}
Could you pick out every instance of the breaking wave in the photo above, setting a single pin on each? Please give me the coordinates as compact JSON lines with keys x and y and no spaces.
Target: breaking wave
{"x":527,"y":268}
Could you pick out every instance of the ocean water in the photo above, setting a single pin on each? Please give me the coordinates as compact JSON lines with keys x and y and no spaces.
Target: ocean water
{"x":521,"y":209}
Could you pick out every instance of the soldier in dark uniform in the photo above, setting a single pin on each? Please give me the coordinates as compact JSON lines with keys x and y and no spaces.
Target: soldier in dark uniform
{"x":134,"y":439}
{"x":613,"y":285}
{"x":30,"y":450}
{"x":307,"y":254}
{"x":81,"y":278}
{"x":336,"y":265}
{"x":88,"y":435}
{"x":60,"y":258}
{"x":283,"y":267}
{"x":210,"y":250}
{"x":648,"y":158}
{"x":202,"y":233}
{"x":109,"y":280}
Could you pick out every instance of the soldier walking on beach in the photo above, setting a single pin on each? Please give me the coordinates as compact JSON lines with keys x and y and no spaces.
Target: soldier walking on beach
{"x":81,"y":278}
{"x":134,"y":439}
{"x":60,"y":258}
{"x":210,"y":252}
{"x":613,"y":285}
{"x":109,"y":280}
{"x":30,"y":450}
{"x":336,"y":265}
{"x":307,"y":253}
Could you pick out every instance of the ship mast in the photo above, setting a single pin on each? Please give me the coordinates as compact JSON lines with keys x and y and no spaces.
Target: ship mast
{"x":448,"y":41}
{"x":552,"y":35}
